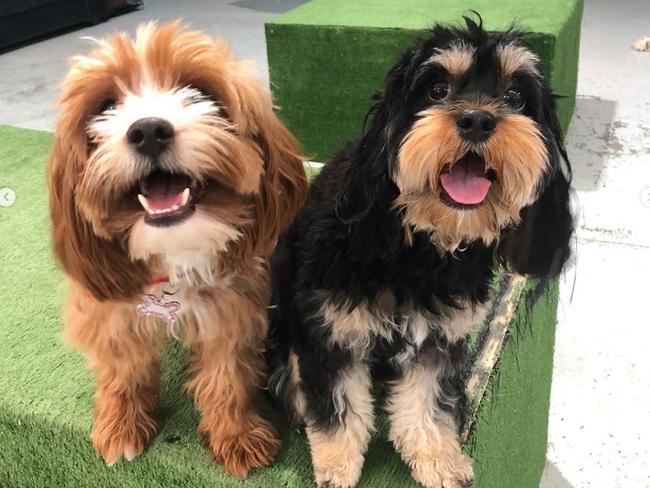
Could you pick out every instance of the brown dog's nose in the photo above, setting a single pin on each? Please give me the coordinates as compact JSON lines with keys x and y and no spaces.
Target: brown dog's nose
{"x":475,"y":125}
{"x":150,"y":136}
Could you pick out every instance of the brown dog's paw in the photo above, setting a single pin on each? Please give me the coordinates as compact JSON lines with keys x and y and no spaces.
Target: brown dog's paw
{"x":122,"y":436}
{"x":253,"y":448}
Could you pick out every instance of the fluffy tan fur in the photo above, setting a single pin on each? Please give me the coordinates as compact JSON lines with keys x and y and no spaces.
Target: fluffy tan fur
{"x":456,"y":59}
{"x":252,"y":170}
{"x":426,"y":437}
{"x":514,"y":58}
{"x":516,"y":152}
{"x":338,"y":455}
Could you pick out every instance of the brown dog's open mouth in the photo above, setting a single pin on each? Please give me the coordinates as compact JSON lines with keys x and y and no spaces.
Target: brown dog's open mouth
{"x":168,"y":198}
{"x":466,"y":183}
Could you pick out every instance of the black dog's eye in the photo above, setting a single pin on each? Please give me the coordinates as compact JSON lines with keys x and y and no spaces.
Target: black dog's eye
{"x":514,"y":98}
{"x":107,"y":104}
{"x":439,"y":91}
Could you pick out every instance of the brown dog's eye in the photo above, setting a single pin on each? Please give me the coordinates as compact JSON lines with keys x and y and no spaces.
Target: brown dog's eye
{"x":201,"y":94}
{"x":107,"y":104}
{"x":439,"y":91}
{"x":513,"y":98}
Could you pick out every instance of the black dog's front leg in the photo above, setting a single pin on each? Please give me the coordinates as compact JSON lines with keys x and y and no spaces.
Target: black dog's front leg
{"x":423,"y":428}
{"x":339,"y":441}
{"x":334,"y":394}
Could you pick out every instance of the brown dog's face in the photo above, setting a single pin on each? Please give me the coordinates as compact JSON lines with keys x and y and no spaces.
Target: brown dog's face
{"x":474,"y":135}
{"x":173,"y":149}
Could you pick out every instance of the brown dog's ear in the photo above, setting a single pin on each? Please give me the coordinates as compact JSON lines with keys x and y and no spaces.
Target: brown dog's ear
{"x":283,"y":186}
{"x":284,"y":183}
{"x":100,"y":265}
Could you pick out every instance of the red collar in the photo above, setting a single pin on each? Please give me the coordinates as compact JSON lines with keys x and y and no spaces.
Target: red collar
{"x":156,"y":280}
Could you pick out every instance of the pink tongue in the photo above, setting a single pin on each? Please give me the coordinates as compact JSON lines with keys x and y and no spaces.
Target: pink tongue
{"x":161,"y":203}
{"x":466,"y":183}
{"x":165,"y":191}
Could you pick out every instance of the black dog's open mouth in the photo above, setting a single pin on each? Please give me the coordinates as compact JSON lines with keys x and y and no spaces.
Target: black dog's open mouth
{"x":466,"y":183}
{"x":168,"y":198}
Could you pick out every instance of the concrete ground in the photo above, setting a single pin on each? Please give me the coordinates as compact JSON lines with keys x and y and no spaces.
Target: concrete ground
{"x":599,"y":428}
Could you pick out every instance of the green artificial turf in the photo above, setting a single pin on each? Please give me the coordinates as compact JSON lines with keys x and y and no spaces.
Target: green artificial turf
{"x":327,"y":57}
{"x":46,"y":391}
{"x":509,"y":436}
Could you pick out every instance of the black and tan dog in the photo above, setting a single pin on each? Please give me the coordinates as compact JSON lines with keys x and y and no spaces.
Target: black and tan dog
{"x":386,"y":269}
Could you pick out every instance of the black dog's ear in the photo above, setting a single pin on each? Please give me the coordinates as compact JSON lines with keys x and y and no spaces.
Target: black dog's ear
{"x":371,"y":159}
{"x":540,"y":244}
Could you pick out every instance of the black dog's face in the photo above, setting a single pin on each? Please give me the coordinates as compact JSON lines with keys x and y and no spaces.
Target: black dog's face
{"x":470,"y":119}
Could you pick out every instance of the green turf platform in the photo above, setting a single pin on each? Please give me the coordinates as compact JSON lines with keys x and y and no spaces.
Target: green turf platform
{"x":46,"y":391}
{"x":327,"y":57}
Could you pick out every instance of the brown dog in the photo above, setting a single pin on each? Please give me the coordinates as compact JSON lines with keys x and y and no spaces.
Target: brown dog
{"x":170,"y":179}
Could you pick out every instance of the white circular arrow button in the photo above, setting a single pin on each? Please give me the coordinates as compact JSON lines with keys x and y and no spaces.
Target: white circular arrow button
{"x":7,"y":197}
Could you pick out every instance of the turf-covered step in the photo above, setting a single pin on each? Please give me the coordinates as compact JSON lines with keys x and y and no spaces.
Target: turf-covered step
{"x":46,"y":392}
{"x":327,"y":57}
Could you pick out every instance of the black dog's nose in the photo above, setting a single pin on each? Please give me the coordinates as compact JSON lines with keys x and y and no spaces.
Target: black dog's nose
{"x":476,"y":125}
{"x":150,"y":136}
